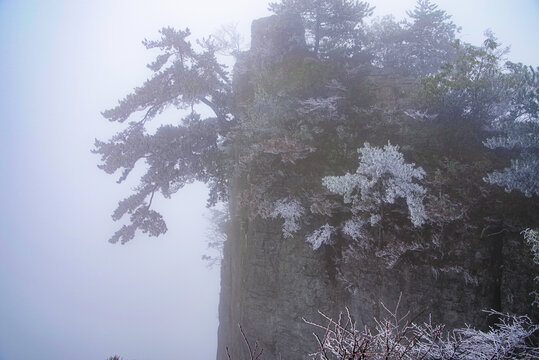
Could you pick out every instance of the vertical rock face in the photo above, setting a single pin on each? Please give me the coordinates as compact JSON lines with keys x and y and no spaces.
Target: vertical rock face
{"x":266,"y":281}
{"x":269,"y":283}
{"x":273,"y":39}
{"x":277,"y":36}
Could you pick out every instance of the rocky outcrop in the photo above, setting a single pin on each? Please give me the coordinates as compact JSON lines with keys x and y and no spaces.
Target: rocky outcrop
{"x":270,"y":283}
{"x":276,"y":36}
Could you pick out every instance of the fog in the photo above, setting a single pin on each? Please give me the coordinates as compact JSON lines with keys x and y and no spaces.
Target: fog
{"x":65,"y":292}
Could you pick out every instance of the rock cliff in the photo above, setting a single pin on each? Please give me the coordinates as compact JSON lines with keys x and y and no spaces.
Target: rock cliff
{"x":269,"y":282}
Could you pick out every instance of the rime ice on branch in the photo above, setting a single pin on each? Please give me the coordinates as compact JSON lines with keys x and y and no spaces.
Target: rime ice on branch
{"x":382,"y":177}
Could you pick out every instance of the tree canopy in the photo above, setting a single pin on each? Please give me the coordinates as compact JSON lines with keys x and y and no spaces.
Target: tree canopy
{"x":176,"y":154}
{"x":416,"y":46}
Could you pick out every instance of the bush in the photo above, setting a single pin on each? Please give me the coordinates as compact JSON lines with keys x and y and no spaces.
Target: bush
{"x":399,"y":338}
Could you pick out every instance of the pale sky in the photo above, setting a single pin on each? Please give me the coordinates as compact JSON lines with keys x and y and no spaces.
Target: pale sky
{"x":65,"y":292}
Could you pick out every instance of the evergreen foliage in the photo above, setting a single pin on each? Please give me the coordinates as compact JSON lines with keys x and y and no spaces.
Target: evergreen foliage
{"x":472,"y":87}
{"x":518,"y":126}
{"x":176,"y":154}
{"x":416,"y":46}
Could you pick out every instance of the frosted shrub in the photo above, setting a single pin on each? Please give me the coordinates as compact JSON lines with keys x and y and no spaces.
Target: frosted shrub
{"x":381,"y":177}
{"x":291,"y":211}
{"x":522,"y":175}
{"x":392,"y":253}
{"x":320,"y":109}
{"x":519,"y":132}
{"x":321,"y":236}
{"x":532,"y":237}
{"x":355,"y":228}
{"x":398,"y":338}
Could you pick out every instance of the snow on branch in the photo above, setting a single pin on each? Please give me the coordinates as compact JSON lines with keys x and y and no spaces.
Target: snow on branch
{"x":396,"y":337}
{"x":355,"y":228}
{"x":522,"y":175}
{"x":321,"y":236}
{"x":320,"y":108}
{"x":381,"y":177}
{"x":291,"y":211}
{"x":532,"y":238}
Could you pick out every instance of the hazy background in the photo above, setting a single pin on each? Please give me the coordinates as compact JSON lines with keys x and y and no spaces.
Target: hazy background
{"x":65,"y":292}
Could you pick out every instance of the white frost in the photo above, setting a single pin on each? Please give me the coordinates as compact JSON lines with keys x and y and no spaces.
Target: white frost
{"x":321,"y":236}
{"x":381,"y":177}
{"x":291,"y":211}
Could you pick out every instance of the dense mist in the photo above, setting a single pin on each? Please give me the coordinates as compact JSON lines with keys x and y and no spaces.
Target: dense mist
{"x":349,"y":158}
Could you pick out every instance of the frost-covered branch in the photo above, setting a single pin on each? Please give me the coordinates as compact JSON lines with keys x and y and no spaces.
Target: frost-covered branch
{"x":518,"y":127}
{"x":291,"y":211}
{"x":396,"y":337}
{"x":381,"y":177}
{"x":321,"y":236}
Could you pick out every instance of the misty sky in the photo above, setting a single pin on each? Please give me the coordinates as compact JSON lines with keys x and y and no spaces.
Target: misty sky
{"x":65,"y":292}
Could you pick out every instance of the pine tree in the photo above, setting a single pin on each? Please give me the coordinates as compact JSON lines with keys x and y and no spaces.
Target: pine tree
{"x":176,"y":154}
{"x":416,"y":46}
